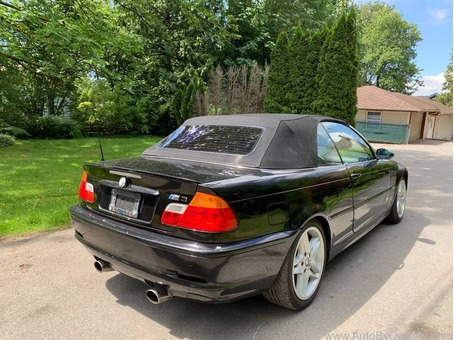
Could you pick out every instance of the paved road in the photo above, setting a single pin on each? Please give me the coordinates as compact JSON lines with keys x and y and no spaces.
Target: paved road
{"x":394,"y":283}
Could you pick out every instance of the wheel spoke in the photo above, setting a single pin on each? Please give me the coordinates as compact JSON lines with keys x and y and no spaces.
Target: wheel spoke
{"x":314,"y":267}
{"x":298,"y":270}
{"x":315,"y":246}
{"x":305,"y":245}
{"x":302,"y":282}
{"x":316,"y":277}
{"x":299,"y":258}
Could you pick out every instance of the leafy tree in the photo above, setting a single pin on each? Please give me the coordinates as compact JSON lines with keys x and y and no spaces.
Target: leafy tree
{"x":256,"y":24}
{"x":137,"y":54}
{"x":310,"y":14}
{"x":52,"y":43}
{"x":47,"y":46}
{"x":102,"y":108}
{"x":251,"y":37}
{"x":276,"y":98}
{"x":180,"y":39}
{"x":20,"y":96}
{"x":446,"y":97}
{"x":387,"y":48}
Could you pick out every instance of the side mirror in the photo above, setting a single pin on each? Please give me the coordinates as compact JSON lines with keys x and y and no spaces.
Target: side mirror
{"x":384,"y":154}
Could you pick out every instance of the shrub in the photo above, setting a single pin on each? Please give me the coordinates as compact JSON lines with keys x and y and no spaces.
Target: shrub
{"x":7,"y":129}
{"x":6,"y":140}
{"x":113,"y":110}
{"x":55,"y":127}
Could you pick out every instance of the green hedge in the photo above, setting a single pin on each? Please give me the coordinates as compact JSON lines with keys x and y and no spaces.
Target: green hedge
{"x":55,"y":127}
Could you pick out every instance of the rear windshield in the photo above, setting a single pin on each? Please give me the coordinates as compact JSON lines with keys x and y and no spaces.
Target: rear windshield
{"x":237,"y":140}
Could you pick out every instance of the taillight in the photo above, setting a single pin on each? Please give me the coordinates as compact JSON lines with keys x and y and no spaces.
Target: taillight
{"x":205,"y":212}
{"x":86,"y":190}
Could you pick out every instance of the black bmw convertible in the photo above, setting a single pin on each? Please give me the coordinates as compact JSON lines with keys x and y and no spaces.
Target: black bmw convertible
{"x":228,"y":207}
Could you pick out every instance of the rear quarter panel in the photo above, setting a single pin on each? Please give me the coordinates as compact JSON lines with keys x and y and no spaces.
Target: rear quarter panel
{"x":281,"y":200}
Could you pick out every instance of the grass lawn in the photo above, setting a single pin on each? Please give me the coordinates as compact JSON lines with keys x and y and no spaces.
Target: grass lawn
{"x":40,"y":178}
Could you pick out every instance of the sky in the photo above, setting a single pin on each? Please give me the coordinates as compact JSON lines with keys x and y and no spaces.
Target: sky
{"x":434,"y":21}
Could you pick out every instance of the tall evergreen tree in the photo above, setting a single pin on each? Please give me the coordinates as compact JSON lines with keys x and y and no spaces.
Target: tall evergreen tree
{"x":187,"y":103}
{"x":296,"y":66}
{"x":352,"y":45}
{"x":276,"y":99}
{"x":309,"y":70}
{"x":335,"y":67}
{"x":177,"y":105}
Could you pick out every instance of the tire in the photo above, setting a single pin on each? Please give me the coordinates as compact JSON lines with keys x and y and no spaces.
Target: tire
{"x":301,"y":274}
{"x":398,"y":209}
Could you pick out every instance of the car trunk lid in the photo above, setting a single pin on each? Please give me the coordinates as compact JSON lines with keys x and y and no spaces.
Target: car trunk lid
{"x":138,"y":190}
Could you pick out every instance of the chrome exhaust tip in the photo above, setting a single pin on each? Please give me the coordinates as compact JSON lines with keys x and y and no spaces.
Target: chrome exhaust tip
{"x":155,"y":297}
{"x":102,"y":266}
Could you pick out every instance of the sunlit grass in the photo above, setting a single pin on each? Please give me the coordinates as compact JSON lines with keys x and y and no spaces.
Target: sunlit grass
{"x":40,"y":178}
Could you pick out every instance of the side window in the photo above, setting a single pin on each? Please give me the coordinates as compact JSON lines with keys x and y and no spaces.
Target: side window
{"x":326,"y":152}
{"x":352,"y":148}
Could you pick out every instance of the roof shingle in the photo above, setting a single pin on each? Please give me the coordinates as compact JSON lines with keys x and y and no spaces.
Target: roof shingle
{"x":374,"y":98}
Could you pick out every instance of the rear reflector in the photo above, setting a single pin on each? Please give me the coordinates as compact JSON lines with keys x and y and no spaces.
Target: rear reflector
{"x":86,"y":190}
{"x":205,"y":212}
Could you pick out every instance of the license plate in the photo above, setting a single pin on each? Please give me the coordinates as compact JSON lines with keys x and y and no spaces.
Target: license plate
{"x":125,"y":203}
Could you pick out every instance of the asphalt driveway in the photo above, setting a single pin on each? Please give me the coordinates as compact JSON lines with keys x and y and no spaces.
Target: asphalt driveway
{"x":394,"y":283}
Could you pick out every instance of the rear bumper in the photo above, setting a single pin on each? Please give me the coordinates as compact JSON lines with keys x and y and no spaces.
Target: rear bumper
{"x":201,"y":271}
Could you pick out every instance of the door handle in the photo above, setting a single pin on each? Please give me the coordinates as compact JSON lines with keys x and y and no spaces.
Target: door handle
{"x":355,"y":176}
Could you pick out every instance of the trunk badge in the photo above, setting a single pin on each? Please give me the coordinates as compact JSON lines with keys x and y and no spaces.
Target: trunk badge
{"x":123,"y":182}
{"x":178,"y":198}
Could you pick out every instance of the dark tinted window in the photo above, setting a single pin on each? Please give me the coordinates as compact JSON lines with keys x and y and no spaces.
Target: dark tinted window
{"x":238,"y":140}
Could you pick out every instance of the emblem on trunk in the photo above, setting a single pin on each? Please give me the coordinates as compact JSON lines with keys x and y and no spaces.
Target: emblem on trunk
{"x":123,"y":182}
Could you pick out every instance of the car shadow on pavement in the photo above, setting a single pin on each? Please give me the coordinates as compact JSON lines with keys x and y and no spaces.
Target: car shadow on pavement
{"x":351,"y":280}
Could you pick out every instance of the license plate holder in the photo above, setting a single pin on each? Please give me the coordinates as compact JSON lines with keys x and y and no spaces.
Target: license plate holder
{"x":125,"y":203}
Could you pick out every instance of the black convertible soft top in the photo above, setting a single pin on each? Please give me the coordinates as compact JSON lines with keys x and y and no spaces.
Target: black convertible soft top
{"x":276,"y":141}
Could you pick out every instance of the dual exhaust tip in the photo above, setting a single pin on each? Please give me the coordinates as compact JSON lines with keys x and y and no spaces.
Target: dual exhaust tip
{"x":155,"y":296}
{"x":102,"y":266}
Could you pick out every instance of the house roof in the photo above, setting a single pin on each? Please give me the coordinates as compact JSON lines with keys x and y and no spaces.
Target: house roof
{"x":374,"y":98}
